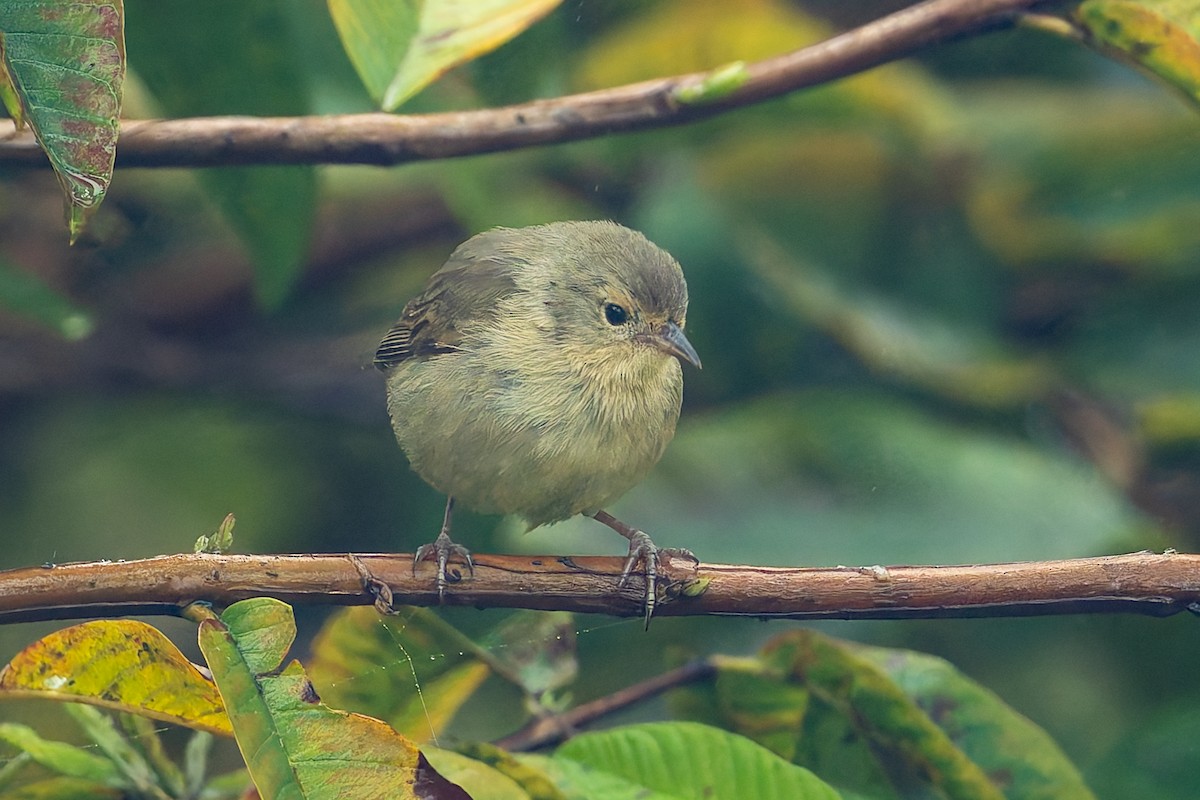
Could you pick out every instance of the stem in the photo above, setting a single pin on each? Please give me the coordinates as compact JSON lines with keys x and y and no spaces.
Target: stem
{"x":389,"y":139}
{"x":548,"y":731}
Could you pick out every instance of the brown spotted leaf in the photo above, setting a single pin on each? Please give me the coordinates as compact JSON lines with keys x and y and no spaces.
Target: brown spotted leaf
{"x":1160,"y":36}
{"x":66,"y":65}
{"x":124,"y":665}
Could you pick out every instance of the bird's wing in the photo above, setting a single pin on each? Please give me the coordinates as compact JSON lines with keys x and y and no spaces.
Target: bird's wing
{"x":466,"y":289}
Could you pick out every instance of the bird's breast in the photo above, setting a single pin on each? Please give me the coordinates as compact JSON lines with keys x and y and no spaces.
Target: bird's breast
{"x":546,"y":432}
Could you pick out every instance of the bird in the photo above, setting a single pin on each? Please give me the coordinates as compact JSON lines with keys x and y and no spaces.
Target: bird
{"x":539,"y":374}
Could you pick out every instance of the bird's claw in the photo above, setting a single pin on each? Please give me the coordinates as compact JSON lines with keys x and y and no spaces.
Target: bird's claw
{"x":441,"y":550}
{"x":379,"y":590}
{"x":643,"y":549}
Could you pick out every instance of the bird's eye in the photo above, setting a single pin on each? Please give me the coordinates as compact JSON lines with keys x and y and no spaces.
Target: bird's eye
{"x":615,"y":314}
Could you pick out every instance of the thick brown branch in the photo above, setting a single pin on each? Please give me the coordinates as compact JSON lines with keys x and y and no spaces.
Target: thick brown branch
{"x":1146,"y":583}
{"x":385,"y":139}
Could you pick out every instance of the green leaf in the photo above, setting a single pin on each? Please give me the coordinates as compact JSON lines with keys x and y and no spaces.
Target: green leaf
{"x":749,"y":699}
{"x":377,"y":37}
{"x":400,"y":48}
{"x":909,"y":744}
{"x":925,"y":723}
{"x":10,"y":767}
{"x":1158,"y":35}
{"x":1018,"y":755}
{"x":263,"y":629}
{"x":66,"y":63}
{"x":834,"y":747}
{"x":686,"y":760}
{"x":195,"y":761}
{"x":766,"y":710}
{"x":402,"y":668}
{"x":271,"y":209}
{"x":101,"y":729}
{"x":24,"y":294}
{"x":577,"y":781}
{"x":250,"y":68}
{"x":220,"y":541}
{"x":294,"y":745}
{"x":884,"y":723}
{"x":142,"y":735}
{"x":229,"y":786}
{"x":760,"y":698}
{"x":60,"y":757}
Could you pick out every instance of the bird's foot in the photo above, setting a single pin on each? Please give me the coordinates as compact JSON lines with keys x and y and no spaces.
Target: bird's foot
{"x":642,"y":549}
{"x":380,"y":590}
{"x":441,"y":550}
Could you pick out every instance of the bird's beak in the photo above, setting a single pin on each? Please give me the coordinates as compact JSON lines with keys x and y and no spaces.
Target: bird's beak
{"x":669,"y":338}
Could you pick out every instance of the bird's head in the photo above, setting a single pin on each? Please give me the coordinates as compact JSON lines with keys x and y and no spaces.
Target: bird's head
{"x":619,"y":295}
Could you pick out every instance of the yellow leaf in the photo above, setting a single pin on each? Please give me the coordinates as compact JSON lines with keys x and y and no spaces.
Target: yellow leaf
{"x":124,"y":665}
{"x":693,"y":36}
{"x":1157,"y":35}
{"x":400,"y":48}
{"x":684,"y":36}
{"x":399,"y":668}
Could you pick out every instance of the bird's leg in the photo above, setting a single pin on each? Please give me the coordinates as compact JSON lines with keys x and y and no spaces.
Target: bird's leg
{"x":643,"y":549}
{"x":441,"y":549}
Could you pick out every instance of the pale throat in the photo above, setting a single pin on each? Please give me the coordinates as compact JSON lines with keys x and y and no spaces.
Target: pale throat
{"x":626,"y":373}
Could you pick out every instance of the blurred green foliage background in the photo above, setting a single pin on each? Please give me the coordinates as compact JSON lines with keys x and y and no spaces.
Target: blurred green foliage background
{"x":949,"y":311}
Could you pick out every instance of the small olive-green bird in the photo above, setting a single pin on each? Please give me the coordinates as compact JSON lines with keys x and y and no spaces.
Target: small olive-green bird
{"x":538,"y":374}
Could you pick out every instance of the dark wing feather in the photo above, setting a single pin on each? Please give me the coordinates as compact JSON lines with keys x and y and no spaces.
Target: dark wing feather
{"x":465,"y":290}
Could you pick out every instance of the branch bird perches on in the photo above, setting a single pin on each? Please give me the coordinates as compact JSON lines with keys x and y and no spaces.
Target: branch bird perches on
{"x":1146,"y":583}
